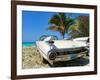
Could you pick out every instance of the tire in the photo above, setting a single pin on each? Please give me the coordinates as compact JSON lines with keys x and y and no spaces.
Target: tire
{"x":44,"y":60}
{"x":87,"y":53}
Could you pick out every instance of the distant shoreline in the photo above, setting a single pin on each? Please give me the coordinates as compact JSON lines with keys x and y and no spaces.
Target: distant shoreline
{"x":28,"y":44}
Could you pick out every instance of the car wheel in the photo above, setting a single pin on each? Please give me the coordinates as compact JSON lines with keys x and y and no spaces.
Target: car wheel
{"x":44,"y":60}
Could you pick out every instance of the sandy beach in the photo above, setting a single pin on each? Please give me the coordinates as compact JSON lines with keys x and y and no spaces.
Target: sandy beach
{"x":31,"y":59}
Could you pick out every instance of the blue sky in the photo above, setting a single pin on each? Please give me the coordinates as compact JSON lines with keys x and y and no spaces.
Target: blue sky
{"x":34,"y":25}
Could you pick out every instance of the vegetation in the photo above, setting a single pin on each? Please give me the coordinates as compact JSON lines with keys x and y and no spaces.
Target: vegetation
{"x":60,"y":23}
{"x":80,"y":28}
{"x":64,"y":24}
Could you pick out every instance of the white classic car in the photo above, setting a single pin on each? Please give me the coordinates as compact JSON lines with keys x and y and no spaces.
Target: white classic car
{"x":53,"y":50}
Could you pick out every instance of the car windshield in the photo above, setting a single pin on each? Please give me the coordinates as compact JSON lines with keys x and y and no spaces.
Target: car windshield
{"x":45,"y":36}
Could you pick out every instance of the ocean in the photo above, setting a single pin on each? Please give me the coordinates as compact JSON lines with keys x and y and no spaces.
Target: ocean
{"x":28,"y":44}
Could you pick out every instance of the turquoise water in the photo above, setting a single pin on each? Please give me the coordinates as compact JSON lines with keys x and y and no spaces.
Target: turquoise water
{"x":28,"y":44}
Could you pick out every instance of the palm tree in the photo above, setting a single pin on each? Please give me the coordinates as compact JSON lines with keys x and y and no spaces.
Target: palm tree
{"x":60,"y":22}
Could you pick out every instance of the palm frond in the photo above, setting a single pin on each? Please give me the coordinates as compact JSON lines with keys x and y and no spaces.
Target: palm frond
{"x":55,"y":20}
{"x":69,"y":22}
{"x":62,"y":17}
{"x":54,"y":28}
